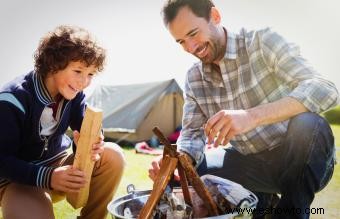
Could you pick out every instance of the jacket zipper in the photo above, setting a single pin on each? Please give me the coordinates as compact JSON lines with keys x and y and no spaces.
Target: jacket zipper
{"x":45,"y":148}
{"x":45,"y":139}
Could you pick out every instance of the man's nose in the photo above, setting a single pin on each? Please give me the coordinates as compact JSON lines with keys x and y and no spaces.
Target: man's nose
{"x":191,"y":46}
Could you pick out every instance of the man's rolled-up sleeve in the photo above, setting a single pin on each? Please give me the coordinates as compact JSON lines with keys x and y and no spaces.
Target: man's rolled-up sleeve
{"x":311,"y":89}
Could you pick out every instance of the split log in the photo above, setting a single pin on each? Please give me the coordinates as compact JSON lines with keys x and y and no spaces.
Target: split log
{"x":167,"y":168}
{"x":198,"y":185}
{"x":184,"y":184}
{"x":89,"y":134}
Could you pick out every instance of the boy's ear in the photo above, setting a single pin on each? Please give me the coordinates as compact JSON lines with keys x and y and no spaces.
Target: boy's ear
{"x":215,"y":16}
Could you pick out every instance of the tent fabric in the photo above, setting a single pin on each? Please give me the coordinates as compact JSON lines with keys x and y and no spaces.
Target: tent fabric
{"x":131,"y":111}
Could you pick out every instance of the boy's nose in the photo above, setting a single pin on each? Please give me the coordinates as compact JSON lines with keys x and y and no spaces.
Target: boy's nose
{"x":81,"y":82}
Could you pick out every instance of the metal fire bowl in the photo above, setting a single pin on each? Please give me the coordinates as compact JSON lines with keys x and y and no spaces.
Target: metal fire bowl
{"x":135,"y":200}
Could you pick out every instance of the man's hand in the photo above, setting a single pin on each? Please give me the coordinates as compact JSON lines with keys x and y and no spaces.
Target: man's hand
{"x":226,"y":124}
{"x":66,"y":179}
{"x":97,"y":147}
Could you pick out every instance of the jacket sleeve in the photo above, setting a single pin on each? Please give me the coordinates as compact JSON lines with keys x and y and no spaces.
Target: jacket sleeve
{"x":12,"y":168}
{"x":308,"y":87}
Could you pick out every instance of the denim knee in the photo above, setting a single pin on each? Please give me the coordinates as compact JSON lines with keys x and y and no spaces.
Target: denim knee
{"x":310,"y":137}
{"x":305,"y":128}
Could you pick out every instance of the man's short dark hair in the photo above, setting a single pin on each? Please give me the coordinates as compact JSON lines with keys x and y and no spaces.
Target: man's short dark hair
{"x":201,"y":8}
{"x":65,"y":44}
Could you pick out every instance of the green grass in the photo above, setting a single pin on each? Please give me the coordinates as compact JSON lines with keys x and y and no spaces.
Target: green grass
{"x":136,"y":173}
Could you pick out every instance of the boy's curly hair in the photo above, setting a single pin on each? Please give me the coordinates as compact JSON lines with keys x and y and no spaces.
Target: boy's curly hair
{"x":65,"y":44}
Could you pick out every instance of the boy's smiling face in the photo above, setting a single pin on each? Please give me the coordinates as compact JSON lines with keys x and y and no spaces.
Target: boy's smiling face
{"x":71,"y":80}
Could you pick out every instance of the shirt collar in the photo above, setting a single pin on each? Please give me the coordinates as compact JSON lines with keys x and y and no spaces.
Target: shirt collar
{"x":41,"y":91}
{"x":231,"y":50}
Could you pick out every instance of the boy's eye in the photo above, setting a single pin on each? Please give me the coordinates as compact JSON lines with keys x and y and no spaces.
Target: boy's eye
{"x":91,"y":75}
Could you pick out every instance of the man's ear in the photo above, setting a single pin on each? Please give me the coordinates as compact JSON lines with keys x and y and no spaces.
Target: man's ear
{"x":215,"y":16}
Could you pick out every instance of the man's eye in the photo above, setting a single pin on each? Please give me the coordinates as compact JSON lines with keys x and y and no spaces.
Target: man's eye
{"x":193,"y":34}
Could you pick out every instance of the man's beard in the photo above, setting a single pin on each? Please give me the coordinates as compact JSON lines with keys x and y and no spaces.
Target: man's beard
{"x":215,"y":50}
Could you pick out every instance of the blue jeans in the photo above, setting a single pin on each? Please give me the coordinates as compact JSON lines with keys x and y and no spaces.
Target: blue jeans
{"x":301,"y":166}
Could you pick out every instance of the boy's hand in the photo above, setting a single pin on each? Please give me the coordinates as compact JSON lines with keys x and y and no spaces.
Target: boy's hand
{"x":97,"y":147}
{"x":76,"y":136}
{"x":155,"y":167}
{"x":66,"y":179}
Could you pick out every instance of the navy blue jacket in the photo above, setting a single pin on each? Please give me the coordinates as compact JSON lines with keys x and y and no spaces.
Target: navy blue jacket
{"x":26,"y":155}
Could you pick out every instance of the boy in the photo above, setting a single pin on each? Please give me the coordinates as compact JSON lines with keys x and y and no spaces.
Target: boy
{"x":35,"y":110}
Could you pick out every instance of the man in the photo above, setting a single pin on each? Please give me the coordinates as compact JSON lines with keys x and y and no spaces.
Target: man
{"x":254,"y":91}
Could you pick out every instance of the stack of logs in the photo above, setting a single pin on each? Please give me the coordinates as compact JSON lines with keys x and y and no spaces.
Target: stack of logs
{"x":172,"y":160}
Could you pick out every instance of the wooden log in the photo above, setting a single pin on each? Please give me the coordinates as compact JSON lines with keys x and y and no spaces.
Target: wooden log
{"x":169,"y":148}
{"x":198,"y":185}
{"x":161,"y":136}
{"x":89,"y":134}
{"x":184,"y":184}
{"x":167,"y":168}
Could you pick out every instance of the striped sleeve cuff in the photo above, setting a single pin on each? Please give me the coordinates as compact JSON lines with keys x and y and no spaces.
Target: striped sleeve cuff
{"x":44,"y":177}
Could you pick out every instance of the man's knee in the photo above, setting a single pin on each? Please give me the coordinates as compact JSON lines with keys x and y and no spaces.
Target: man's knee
{"x":310,"y":139}
{"x":307,"y":128}
{"x":306,"y":123}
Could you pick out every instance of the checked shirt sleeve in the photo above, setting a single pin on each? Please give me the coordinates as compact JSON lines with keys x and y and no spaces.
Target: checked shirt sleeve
{"x":312,"y":90}
{"x":192,"y":138}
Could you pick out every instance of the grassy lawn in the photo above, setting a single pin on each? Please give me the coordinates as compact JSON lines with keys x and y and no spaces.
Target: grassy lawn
{"x":136,"y":173}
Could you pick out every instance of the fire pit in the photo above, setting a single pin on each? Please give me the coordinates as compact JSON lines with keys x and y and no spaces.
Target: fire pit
{"x":194,"y":201}
{"x":129,"y":206}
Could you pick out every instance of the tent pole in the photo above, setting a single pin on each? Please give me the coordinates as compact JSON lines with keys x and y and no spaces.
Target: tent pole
{"x":175,"y":110}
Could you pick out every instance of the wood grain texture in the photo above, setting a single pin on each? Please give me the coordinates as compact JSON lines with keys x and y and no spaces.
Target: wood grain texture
{"x":198,"y":185}
{"x":89,"y":134}
{"x":167,"y":168}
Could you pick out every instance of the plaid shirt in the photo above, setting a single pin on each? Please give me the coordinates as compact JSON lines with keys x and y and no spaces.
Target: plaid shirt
{"x":259,"y":67}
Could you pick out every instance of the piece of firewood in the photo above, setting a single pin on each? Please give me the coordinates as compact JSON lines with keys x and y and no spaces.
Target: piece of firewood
{"x":89,"y":134}
{"x":198,"y":185}
{"x":161,"y":136}
{"x":184,"y":184}
{"x":168,"y":147}
{"x":166,"y":170}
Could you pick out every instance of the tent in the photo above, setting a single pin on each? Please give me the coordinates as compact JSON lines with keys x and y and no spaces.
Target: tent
{"x":131,"y":111}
